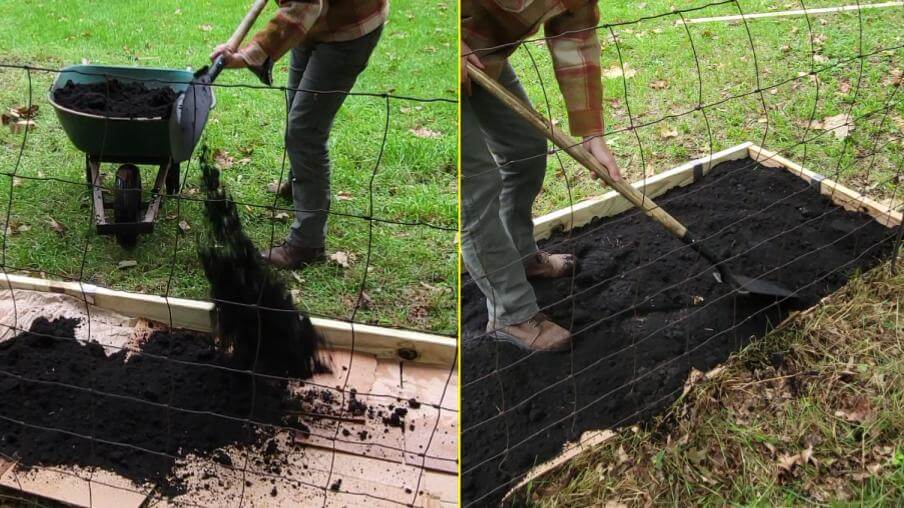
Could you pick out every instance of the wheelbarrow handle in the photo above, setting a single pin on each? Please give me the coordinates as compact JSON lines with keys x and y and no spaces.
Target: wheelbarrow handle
{"x":577,"y":151}
{"x":238,"y":36}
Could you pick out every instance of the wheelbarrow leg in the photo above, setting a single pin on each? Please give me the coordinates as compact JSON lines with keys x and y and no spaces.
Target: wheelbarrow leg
{"x":127,"y":202}
{"x":172,"y":178}
{"x":89,"y":176}
{"x":92,"y":170}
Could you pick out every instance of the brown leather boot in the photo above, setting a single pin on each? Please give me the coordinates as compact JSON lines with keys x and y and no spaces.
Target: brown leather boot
{"x":549,"y":266}
{"x":536,"y":334}
{"x":282,"y":189}
{"x":291,"y":257}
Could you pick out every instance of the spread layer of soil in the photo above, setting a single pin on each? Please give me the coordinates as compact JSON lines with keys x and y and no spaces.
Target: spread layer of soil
{"x":643,"y":328}
{"x":165,"y":413}
{"x":115,"y":98}
{"x":138,"y":419}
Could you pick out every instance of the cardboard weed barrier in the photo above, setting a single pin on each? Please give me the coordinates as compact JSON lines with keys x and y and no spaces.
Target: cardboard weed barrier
{"x":645,"y":309}
{"x":107,"y":406}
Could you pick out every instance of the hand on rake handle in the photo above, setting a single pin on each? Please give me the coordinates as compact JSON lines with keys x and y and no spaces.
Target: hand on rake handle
{"x":232,"y":59}
{"x":597,"y":147}
{"x":468,"y":57}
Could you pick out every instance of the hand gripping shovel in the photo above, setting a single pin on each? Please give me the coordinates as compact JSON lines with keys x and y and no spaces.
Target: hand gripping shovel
{"x":192,"y":108}
{"x":744,"y":285}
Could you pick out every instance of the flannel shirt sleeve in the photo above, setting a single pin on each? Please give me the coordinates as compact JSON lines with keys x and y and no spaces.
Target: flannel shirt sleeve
{"x":289,"y":28}
{"x":575,"y":49}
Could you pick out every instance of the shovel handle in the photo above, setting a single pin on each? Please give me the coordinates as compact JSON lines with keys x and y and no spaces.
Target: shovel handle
{"x":244,"y":27}
{"x":577,"y":151}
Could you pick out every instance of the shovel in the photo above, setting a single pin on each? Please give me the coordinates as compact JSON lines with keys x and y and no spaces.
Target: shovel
{"x":192,"y":108}
{"x":743,"y":285}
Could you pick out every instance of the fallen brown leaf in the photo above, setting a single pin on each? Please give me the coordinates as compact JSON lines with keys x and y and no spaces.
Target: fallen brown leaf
{"x":788,"y":461}
{"x":840,"y":125}
{"x":222,"y":159}
{"x":26,"y":112}
{"x":860,"y":411}
{"x":666,"y":132}
{"x":22,"y":125}
{"x":422,"y":132}
{"x":693,"y":378}
{"x":844,"y":86}
{"x":622,"y":455}
{"x":365,"y":302}
{"x":616,"y":71}
{"x":660,"y":84}
{"x":340,"y":258}
{"x":57,"y":227}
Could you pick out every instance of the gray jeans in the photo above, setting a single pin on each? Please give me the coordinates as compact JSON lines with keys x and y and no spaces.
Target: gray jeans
{"x":497,"y":196}
{"x":327,"y":66}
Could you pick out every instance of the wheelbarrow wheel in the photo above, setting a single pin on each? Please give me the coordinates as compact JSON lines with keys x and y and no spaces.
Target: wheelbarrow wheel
{"x":172,"y":179}
{"x":127,"y":201}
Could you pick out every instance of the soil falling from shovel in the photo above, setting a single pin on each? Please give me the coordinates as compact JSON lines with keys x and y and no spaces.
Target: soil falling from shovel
{"x":256,"y":316}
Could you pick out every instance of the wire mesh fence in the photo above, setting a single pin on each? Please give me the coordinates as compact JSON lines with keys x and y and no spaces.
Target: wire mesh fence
{"x":642,"y":307}
{"x":127,"y":411}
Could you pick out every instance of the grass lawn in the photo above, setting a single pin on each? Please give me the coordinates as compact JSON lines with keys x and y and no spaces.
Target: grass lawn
{"x":847,"y":355}
{"x":413,"y":275}
{"x":663,"y":81}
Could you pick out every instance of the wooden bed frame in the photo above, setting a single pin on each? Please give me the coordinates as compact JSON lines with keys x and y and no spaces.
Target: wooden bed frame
{"x":201,"y":316}
{"x":612,"y":203}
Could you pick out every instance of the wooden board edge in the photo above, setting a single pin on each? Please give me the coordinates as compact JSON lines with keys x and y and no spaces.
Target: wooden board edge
{"x":587,"y":442}
{"x":612,"y":203}
{"x":200,"y":316}
{"x":838,"y":193}
{"x":70,"y":488}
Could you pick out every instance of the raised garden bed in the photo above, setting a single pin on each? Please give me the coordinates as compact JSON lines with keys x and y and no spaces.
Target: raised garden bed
{"x":648,"y":309}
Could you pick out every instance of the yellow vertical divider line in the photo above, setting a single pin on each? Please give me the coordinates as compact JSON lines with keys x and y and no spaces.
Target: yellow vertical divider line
{"x":458,"y":242}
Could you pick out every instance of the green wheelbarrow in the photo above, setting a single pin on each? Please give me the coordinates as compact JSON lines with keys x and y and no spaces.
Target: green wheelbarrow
{"x":129,"y":142}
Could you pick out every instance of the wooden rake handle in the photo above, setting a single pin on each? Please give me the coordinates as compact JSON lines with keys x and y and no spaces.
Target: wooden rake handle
{"x":577,"y":151}
{"x":244,"y":27}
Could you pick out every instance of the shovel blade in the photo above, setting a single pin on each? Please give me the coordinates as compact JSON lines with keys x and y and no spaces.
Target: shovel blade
{"x":762,"y":287}
{"x":189,"y":116}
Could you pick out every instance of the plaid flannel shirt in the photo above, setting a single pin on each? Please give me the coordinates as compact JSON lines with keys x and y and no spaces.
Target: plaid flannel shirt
{"x":299,"y":22}
{"x":573,"y":43}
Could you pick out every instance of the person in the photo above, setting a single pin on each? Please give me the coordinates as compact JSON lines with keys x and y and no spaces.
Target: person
{"x":330,"y":43}
{"x":503,"y":158}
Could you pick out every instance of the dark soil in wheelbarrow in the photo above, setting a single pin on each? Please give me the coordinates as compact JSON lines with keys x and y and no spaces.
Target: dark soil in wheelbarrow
{"x":115,"y":98}
{"x":642,"y":325}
